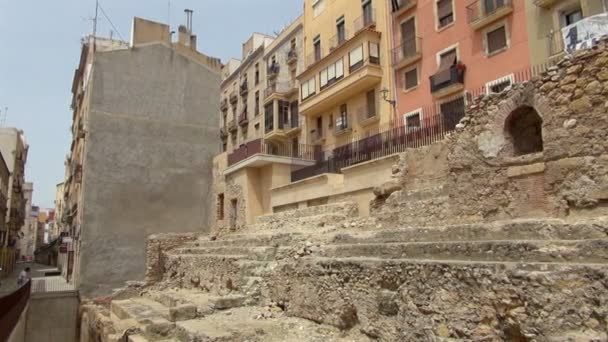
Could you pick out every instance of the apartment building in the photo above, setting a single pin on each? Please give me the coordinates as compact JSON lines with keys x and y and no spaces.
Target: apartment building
{"x":27,"y":241}
{"x":144,"y":137}
{"x":547,"y":18}
{"x":441,"y":49}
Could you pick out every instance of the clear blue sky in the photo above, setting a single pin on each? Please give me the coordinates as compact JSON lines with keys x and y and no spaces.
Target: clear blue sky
{"x":40,"y":47}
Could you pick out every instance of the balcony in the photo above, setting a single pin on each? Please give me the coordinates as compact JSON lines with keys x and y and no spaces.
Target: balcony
{"x":295,"y":126}
{"x":244,"y":89}
{"x":232,"y":126}
{"x":546,"y":3}
{"x":342,"y":126}
{"x":404,"y":6}
{"x":408,"y":53}
{"x":337,"y":40}
{"x":233,"y":98}
{"x":284,"y":130}
{"x":273,"y":71}
{"x":223,"y":132}
{"x":367,"y":116}
{"x":448,"y":82}
{"x":367,"y":20}
{"x":224,"y":104}
{"x":363,"y":78}
{"x":243,"y":118}
{"x":292,"y":57}
{"x":481,"y":13}
{"x":279,"y":90}
{"x":260,"y":152}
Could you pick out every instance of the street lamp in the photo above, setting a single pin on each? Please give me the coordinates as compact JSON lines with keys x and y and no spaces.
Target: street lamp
{"x":385,"y":97}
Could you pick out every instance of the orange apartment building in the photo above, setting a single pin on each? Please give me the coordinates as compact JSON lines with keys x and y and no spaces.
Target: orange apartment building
{"x":442,"y":48}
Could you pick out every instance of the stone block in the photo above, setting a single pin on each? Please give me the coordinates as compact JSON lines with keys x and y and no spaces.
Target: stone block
{"x":228,"y":302}
{"x":159,"y":327}
{"x":518,"y":171}
{"x":182,"y":312}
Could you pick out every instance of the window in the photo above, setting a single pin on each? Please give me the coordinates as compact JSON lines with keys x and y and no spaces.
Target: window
{"x":342,"y":120}
{"x":283,"y":113}
{"x":451,"y":112}
{"x":445,"y":13}
{"x":317,"y":47}
{"x":572,"y":17}
{"x":368,"y":13}
{"x":374,"y":53}
{"x":269,"y":117}
{"x":319,"y":127}
{"x":356,"y":58}
{"x":341,"y":30}
{"x":412,"y":121}
{"x":492,"y":5}
{"x":447,"y":59}
{"x":496,"y":40}
{"x":308,"y":88}
{"x":294,"y":110}
{"x":257,"y":103}
{"x":408,"y":37}
{"x":220,"y":206}
{"x":293,"y":44}
{"x":331,"y":74}
{"x":371,"y":103}
{"x":317,"y":7}
{"x":257,"y":73}
{"x":410,"y":79}
{"x":497,"y":86}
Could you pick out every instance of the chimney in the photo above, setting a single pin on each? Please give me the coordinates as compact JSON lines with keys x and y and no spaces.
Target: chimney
{"x":185,"y":36}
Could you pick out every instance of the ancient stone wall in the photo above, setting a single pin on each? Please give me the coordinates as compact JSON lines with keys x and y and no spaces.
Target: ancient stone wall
{"x":539,"y":149}
{"x":156,"y":248}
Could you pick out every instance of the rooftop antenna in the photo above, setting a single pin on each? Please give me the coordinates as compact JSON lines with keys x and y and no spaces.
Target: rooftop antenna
{"x":95,"y":24}
{"x":169,"y":13}
{"x":189,"y":20}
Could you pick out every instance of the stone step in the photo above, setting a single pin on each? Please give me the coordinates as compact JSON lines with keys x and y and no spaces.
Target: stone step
{"x":252,"y":240}
{"x":577,"y":251}
{"x":348,"y":209}
{"x":513,"y":230}
{"x":255,"y":253}
{"x":259,"y":324}
{"x":397,"y":299}
{"x":318,"y":223}
{"x":142,"y":310}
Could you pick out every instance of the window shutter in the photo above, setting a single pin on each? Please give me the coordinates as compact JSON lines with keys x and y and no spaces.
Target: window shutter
{"x":331,"y":72}
{"x":323,"y":77}
{"x":447,"y":60}
{"x":339,"y":68}
{"x":356,"y":55}
{"x":411,"y":78}
{"x":497,"y":39}
{"x":374,"y":50}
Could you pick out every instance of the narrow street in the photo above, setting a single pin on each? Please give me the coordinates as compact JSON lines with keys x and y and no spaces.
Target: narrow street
{"x":9,"y":284}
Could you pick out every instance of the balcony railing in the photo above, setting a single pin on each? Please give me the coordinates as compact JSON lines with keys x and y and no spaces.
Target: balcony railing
{"x":261,"y":146}
{"x":273,"y":71}
{"x":314,"y":57}
{"x":232,"y":126}
{"x":321,"y":167}
{"x":338,"y":39}
{"x":243,"y":118}
{"x":481,"y":10}
{"x":366,"y":114}
{"x":342,"y":125}
{"x":223,"y":132}
{"x":233,"y":98}
{"x":280,"y":88}
{"x":292,"y":56}
{"x":408,"y":50}
{"x":244,"y":88}
{"x":446,"y":78}
{"x":368,"y":19}
{"x":224,"y":104}
{"x":403,"y":5}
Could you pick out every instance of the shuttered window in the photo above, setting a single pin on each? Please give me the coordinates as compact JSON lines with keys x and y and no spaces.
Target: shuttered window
{"x":308,"y":88}
{"x":411,"y":78}
{"x":356,"y":58}
{"x":497,"y":40}
{"x":445,"y":13}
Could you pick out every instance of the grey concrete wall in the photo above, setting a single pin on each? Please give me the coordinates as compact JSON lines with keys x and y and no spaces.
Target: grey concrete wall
{"x":52,"y":317}
{"x":152,"y":134}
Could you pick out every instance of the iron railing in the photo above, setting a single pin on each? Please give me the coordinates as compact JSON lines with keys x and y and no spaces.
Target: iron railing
{"x":243,"y":118}
{"x":11,"y":309}
{"x":319,"y":168}
{"x":448,"y":77}
{"x":244,"y":88}
{"x":368,"y":19}
{"x":401,"y":4}
{"x":280,"y":88}
{"x":482,"y":9}
{"x":261,"y":146}
{"x":273,"y":70}
{"x":338,"y":39}
{"x":292,"y":56}
{"x":406,"y":50}
{"x":342,"y":124}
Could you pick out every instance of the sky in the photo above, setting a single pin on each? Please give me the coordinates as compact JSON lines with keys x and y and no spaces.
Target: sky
{"x":40,"y":48}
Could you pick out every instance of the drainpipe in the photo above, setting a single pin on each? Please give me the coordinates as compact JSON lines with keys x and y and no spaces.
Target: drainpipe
{"x":389,"y":42}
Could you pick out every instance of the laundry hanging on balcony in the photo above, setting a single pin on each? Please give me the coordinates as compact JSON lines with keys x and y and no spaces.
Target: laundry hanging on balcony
{"x":585,"y":33}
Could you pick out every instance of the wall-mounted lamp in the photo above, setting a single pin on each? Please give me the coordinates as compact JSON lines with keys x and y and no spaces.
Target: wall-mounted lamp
{"x":385,"y":97}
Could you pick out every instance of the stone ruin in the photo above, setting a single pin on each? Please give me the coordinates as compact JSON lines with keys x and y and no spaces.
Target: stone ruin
{"x":499,"y":232}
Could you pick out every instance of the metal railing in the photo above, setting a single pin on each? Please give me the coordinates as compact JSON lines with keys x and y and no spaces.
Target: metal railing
{"x":233,"y":97}
{"x":364,"y":113}
{"x":481,"y":9}
{"x":321,"y":167}
{"x":232,"y":126}
{"x":11,"y":308}
{"x":280,"y":88}
{"x":407,"y":49}
{"x":243,"y":118}
{"x":401,"y":4}
{"x":338,"y":39}
{"x":342,"y":124}
{"x":292,"y":56}
{"x":244,"y":88}
{"x":448,"y":77}
{"x":273,"y":70}
{"x":261,"y":146}
{"x":366,"y":20}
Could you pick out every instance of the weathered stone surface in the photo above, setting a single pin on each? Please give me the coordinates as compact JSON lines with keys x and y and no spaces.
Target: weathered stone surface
{"x":182,"y":312}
